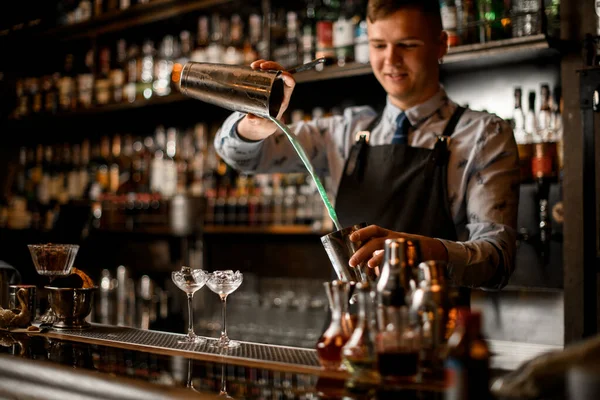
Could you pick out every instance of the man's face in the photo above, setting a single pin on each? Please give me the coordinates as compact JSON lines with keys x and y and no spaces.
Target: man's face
{"x":404,"y":51}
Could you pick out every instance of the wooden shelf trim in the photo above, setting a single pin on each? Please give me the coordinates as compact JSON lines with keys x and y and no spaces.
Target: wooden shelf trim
{"x":139,"y":14}
{"x":267,"y":229}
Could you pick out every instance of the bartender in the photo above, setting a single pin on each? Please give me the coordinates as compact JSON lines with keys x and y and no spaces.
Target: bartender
{"x":423,"y":168}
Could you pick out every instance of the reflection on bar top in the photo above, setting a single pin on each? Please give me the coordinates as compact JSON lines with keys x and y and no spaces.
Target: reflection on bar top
{"x":245,"y":378}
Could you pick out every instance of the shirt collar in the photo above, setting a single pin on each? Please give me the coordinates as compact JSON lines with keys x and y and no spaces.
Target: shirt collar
{"x":419,"y":113}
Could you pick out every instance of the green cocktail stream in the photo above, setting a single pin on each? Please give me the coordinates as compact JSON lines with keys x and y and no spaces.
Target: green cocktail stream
{"x":311,"y":171}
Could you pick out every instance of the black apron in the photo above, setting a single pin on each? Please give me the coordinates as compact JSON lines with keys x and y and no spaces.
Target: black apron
{"x":399,"y":187}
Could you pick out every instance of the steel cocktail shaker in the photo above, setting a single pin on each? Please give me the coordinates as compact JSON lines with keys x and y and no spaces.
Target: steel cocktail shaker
{"x":236,"y":88}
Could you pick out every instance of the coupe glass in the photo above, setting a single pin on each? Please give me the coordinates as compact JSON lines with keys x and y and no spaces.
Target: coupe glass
{"x":190,"y":281}
{"x":52,"y":260}
{"x":223,"y":283}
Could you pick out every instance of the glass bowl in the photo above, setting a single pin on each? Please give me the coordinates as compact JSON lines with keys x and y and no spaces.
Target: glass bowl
{"x":53,"y":259}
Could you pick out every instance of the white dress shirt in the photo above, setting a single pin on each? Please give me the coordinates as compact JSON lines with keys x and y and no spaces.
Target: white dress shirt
{"x":483,"y":173}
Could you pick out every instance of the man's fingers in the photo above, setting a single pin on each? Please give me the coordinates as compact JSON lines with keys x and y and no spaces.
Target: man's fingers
{"x":367,"y":233}
{"x":376,"y":260}
{"x":365,"y":252}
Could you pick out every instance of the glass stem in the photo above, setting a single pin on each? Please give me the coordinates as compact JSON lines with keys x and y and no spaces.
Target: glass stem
{"x":223,"y":381}
{"x":224,"y":312}
{"x":190,"y":315}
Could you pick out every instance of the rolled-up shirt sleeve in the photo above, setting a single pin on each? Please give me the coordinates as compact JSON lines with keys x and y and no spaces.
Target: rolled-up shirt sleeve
{"x":275,"y":153}
{"x":487,"y":259}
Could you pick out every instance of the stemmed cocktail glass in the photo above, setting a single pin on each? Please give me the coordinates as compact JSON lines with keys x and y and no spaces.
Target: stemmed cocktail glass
{"x":223,"y":283}
{"x":52,"y":260}
{"x":190,"y":281}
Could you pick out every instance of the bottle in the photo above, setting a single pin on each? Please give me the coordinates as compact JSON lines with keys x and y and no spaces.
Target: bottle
{"x":393,"y":285}
{"x":467,"y":364}
{"x":329,"y":345}
{"x":102,"y":86}
{"x":449,"y":21}
{"x":146,"y":68}
{"x":531,"y":119}
{"x":361,"y":43}
{"x":557,"y":127}
{"x":185,"y":55}
{"x":545,"y":113}
{"x":491,"y":13}
{"x":252,"y":42}
{"x":343,"y":35}
{"x":202,"y":40}
{"x":309,"y":29}
{"x":522,"y":137}
{"x":359,"y":353}
{"x":85,"y":81}
{"x":466,"y":14}
{"x":234,"y":52}
{"x":132,"y":74}
{"x":326,"y":13}
{"x":398,"y":338}
{"x":163,"y":67}
{"x":117,"y":72}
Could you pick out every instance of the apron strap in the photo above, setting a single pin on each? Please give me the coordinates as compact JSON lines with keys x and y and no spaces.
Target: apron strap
{"x":451,"y":125}
{"x":439,"y":156}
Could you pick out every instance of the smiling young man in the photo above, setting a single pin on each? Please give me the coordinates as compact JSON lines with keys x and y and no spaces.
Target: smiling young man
{"x":431,"y":170}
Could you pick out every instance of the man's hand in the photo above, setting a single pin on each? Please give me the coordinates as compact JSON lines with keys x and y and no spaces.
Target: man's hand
{"x":374,"y":237}
{"x":253,"y":127}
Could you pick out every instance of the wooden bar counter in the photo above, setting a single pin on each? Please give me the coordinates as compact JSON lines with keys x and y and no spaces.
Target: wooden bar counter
{"x":113,"y":362}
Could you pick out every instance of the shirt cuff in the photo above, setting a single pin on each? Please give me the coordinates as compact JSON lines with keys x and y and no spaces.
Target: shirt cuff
{"x":457,"y":258}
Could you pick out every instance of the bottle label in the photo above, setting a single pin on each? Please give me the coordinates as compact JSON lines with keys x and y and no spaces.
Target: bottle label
{"x":541,"y":166}
{"x":455,"y":387}
{"x":325,"y":39}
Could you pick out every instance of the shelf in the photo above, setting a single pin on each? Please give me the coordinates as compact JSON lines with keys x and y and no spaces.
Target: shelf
{"x":263,"y":230}
{"x":498,"y":52}
{"x":461,"y":57}
{"x":485,"y":54}
{"x":137,"y":15}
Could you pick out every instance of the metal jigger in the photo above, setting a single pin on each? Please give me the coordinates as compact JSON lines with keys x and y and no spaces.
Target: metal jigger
{"x":235,"y":88}
{"x":339,"y":249}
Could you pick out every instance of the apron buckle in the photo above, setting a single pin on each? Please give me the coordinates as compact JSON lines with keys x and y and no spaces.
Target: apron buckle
{"x":362,"y":134}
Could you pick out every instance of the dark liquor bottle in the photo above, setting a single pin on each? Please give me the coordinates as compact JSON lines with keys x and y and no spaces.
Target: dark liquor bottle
{"x":132,"y":74}
{"x":393,"y":285}
{"x":467,"y":25}
{"x":327,"y":12}
{"x":398,"y":339}
{"x":51,"y":94}
{"x":467,"y":364}
{"x":118,"y":72}
{"x":85,"y":81}
{"x":102,"y":84}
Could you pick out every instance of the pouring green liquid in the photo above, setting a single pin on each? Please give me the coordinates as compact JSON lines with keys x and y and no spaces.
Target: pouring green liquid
{"x":311,"y":171}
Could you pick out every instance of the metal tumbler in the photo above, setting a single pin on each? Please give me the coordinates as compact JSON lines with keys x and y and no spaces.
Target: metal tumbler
{"x":236,"y":88}
{"x":339,"y":249}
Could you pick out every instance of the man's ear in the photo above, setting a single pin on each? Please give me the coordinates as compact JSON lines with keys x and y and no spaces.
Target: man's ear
{"x":443,"y":50}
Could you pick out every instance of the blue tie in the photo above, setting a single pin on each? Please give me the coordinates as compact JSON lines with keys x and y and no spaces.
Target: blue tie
{"x":402,"y":125}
